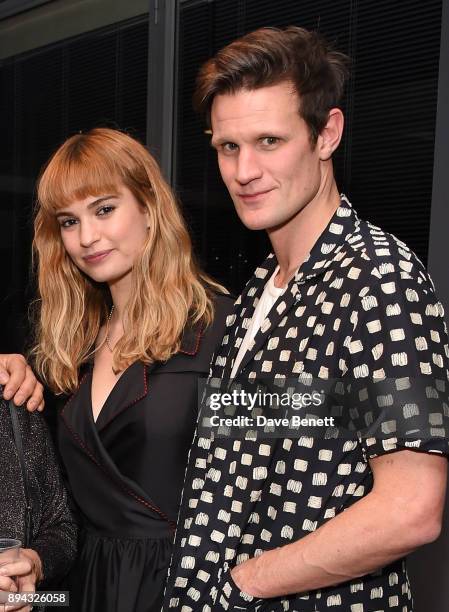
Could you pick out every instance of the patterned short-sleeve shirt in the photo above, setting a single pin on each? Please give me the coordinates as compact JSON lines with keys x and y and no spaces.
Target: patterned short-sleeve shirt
{"x":362,"y":309}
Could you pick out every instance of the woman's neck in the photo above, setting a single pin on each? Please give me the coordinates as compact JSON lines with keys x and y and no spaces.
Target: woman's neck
{"x":120,"y":292}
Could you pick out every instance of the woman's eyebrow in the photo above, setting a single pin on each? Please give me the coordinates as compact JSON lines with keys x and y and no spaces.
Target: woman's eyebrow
{"x":67,"y":213}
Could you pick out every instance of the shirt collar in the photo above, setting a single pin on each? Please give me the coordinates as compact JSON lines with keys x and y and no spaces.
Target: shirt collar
{"x":329,"y":249}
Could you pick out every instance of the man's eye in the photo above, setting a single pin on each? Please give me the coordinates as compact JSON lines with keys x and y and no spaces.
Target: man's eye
{"x":229,"y":147}
{"x":105,"y":210}
{"x":270,"y":140}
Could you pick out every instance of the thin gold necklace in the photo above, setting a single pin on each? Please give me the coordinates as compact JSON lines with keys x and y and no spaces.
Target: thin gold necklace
{"x":107,"y":330}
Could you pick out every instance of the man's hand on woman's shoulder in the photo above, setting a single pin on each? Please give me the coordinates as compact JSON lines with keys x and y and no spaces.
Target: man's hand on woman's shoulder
{"x":19,"y":382}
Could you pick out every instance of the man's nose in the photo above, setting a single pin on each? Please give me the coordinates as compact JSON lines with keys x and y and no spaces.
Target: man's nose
{"x":88,"y":233}
{"x":248,"y":166}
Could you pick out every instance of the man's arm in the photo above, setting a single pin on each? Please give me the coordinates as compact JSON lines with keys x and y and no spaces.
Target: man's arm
{"x":20,"y":383}
{"x":402,"y":512}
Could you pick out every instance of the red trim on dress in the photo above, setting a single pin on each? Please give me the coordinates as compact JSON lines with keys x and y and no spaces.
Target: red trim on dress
{"x":110,"y":475}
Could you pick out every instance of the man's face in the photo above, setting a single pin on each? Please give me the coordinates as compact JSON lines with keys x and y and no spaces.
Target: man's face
{"x":265,"y":155}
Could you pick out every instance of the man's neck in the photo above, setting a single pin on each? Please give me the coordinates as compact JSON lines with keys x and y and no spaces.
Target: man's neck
{"x":293,"y":241}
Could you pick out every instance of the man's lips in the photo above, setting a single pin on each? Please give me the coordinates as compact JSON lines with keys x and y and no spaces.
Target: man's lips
{"x":249,"y":197}
{"x":95,"y":257}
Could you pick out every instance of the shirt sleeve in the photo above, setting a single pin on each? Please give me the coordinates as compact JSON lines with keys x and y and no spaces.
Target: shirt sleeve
{"x":56,"y":537}
{"x":397,"y":366}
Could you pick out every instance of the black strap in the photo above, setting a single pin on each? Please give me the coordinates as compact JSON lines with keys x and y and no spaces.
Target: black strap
{"x":26,"y":486}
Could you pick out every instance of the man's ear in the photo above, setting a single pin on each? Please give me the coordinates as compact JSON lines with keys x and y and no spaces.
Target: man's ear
{"x":330,"y":137}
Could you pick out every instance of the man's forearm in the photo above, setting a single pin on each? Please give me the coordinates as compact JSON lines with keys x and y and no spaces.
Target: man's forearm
{"x":403,"y":511}
{"x":356,"y":542}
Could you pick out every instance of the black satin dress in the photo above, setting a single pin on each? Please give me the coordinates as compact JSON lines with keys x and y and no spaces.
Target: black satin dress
{"x":126,"y":472}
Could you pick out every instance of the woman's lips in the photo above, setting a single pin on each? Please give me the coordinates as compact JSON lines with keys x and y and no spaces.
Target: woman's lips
{"x":96,"y":257}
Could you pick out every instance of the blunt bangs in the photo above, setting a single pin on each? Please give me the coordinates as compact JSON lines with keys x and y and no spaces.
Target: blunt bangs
{"x":80,"y":168}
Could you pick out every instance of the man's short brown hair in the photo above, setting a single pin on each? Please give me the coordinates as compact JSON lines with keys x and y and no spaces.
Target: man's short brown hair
{"x":269,"y":56}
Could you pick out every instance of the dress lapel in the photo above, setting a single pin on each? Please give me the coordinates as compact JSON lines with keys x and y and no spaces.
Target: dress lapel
{"x":131,"y":387}
{"x":79,"y":421}
{"x":191,"y":338}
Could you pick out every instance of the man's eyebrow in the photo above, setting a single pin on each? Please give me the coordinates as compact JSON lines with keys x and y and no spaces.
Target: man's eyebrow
{"x":215,"y":142}
{"x":65,"y":213}
{"x":264,"y":133}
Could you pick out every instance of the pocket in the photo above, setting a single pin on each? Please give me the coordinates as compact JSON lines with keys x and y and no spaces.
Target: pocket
{"x":230,"y":597}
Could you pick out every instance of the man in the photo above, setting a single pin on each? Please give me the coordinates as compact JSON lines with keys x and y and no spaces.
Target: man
{"x":312,"y":522}
{"x":19,"y":382}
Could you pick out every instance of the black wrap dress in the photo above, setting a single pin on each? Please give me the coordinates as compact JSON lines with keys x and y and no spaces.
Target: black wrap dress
{"x":126,"y":472}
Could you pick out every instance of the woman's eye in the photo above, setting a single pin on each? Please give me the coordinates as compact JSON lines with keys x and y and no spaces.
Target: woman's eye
{"x":67,"y":223}
{"x":105,"y":210}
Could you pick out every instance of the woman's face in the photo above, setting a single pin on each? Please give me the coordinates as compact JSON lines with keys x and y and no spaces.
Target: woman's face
{"x":103,"y":235}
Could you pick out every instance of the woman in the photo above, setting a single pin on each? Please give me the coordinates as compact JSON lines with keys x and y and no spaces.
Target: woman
{"x":52,"y":546}
{"x":127,"y":325}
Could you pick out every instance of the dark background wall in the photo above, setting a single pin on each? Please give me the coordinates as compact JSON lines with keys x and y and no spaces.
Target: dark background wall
{"x":429,"y":566}
{"x":97,"y":78}
{"x":67,"y":66}
{"x":385,"y":161}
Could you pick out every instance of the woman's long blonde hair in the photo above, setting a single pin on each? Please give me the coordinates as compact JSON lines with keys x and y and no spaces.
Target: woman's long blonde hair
{"x":169,"y":290}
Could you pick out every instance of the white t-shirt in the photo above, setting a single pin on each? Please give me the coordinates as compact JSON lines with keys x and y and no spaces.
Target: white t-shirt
{"x":267,"y":299}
